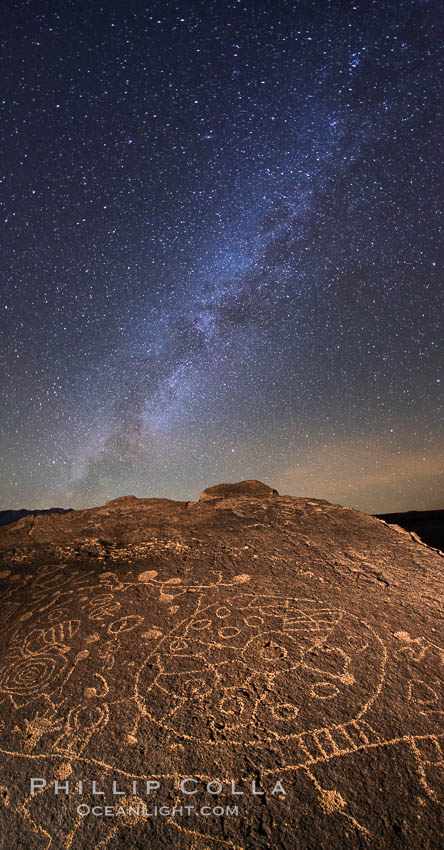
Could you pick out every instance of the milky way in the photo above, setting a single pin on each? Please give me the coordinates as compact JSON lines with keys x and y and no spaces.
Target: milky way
{"x":221,"y":250}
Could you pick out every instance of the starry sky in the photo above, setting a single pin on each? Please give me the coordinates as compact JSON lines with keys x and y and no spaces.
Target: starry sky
{"x":221,"y":250}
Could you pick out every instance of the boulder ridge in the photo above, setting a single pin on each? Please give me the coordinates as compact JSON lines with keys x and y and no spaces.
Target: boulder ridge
{"x":251,"y":489}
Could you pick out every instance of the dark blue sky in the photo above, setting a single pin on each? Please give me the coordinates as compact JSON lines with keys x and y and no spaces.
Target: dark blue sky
{"x":221,"y":250}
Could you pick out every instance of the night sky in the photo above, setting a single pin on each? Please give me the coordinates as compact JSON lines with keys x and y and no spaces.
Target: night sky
{"x":221,"y":250}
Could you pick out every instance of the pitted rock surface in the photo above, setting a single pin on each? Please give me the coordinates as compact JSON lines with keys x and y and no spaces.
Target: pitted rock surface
{"x":243,"y":489}
{"x":247,"y":638}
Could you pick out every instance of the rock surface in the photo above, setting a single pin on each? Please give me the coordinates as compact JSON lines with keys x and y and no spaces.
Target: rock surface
{"x":247,"y":638}
{"x":253,"y":489}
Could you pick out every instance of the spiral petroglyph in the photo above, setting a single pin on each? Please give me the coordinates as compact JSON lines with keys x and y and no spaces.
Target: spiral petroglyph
{"x":31,"y":675}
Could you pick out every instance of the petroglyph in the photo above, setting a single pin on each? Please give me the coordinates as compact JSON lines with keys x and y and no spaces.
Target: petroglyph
{"x":298,"y":650}
{"x":225,"y":658}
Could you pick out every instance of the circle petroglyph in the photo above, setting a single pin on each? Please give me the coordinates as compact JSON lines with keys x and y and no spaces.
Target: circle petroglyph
{"x":261,"y":669}
{"x":125,"y":624}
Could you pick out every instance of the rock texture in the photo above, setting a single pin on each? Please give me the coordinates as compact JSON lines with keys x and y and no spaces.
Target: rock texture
{"x":253,"y":489}
{"x":282,"y":644}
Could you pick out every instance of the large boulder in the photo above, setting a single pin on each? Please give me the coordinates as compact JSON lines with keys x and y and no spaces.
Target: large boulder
{"x":243,"y":489}
{"x":285,"y":648}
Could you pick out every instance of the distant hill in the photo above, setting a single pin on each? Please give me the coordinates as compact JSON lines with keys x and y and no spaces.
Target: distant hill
{"x":428,"y":525}
{"x":6,"y":517}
